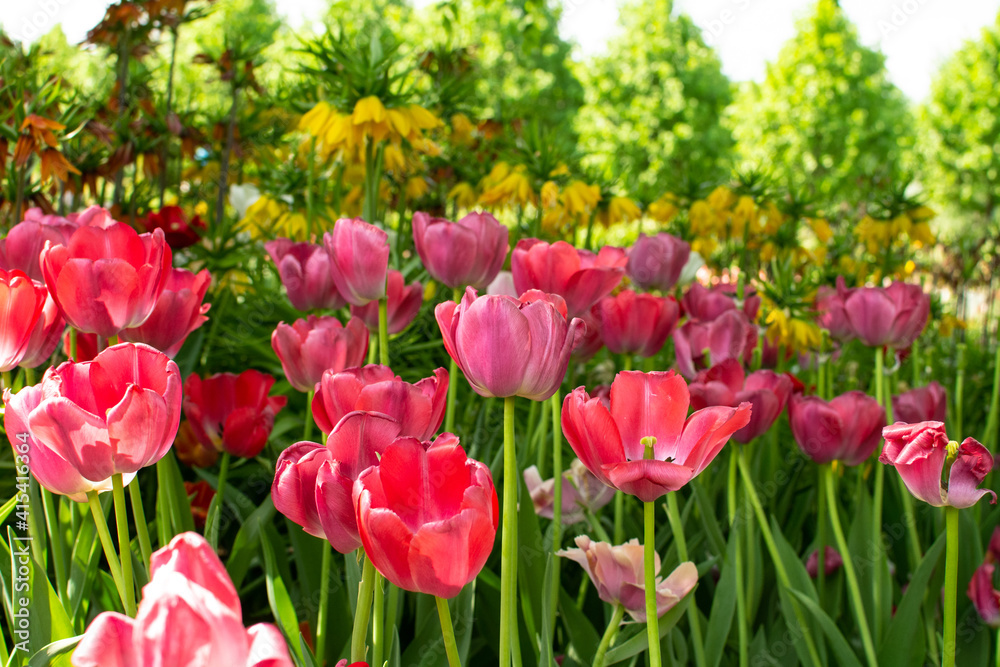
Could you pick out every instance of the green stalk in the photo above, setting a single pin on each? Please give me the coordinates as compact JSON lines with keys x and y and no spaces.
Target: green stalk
{"x":72,"y":344}
{"x":324,"y":602}
{"x":742,"y":617}
{"x":449,"y":414}
{"x":556,"y":510}
{"x":677,"y":526}
{"x":595,"y":525}
{"x":879,"y":493}
{"x":383,"y":331}
{"x":372,"y":347}
{"x":649,"y":563}
{"x":990,"y":434}
{"x":619,"y":531}
{"x":215,"y":509}
{"x":378,"y":619}
{"x":141,"y":527}
{"x":124,"y":550}
{"x":101,"y":523}
{"x":448,"y":633}
{"x":950,"y":585}
{"x":960,"y":388}
{"x":310,"y":180}
{"x":609,"y":635}
{"x":852,"y":577}
{"x":821,"y":536}
{"x":50,"y":505}
{"x":362,"y":612}
{"x":508,"y":544}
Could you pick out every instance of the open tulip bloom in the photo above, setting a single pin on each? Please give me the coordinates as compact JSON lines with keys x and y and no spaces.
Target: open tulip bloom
{"x":22,"y":301}
{"x":305,"y":272}
{"x":467,"y":253}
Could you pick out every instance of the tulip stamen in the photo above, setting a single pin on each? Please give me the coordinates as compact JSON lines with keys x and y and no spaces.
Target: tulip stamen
{"x":648,"y":442}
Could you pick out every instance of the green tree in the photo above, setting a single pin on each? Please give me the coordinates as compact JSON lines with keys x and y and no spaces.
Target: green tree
{"x":654,"y":104}
{"x":826,"y":120}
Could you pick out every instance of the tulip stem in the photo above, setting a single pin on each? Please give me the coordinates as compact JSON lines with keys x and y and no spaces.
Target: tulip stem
{"x":649,"y":583}
{"x":324,"y":602}
{"x":879,"y":492}
{"x":372,"y":348}
{"x":448,"y":633}
{"x":609,"y":635}
{"x":556,"y":510}
{"x":215,"y":508}
{"x":619,"y":533}
{"x":383,"y":331}
{"x":307,"y":430}
{"x":363,"y":611}
{"x":508,"y":544}
{"x":141,"y":527}
{"x":378,"y":619}
{"x":677,"y":526}
{"x":827,"y":486}
{"x":124,"y":544}
{"x":101,"y":523}
{"x":822,"y":538}
{"x":449,"y":415}
{"x":950,"y":585}
{"x":772,"y":547}
{"x":742,"y":619}
{"x":72,"y":344}
{"x":50,"y":505}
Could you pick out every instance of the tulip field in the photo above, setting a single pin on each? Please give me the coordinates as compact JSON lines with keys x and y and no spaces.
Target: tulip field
{"x":313,"y":362}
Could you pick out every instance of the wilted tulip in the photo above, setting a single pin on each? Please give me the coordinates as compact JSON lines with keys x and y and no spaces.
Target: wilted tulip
{"x":467,"y":253}
{"x":578,"y":276}
{"x":923,"y":404}
{"x":984,"y":595}
{"x":656,"y":262}
{"x":402,"y":305}
{"x":311,"y":346}
{"x":178,"y":311}
{"x":232,"y":413}
{"x":88,"y":421}
{"x":359,"y":260}
{"x":631,"y":323}
{"x":509,"y":347}
{"x":581,"y":492}
{"x":705,"y":305}
{"x":107,"y":278}
{"x":892,"y":316}
{"x":190,"y":614}
{"x":177,"y":230}
{"x":724,"y":384}
{"x":305,"y":272}
{"x":419,"y":408}
{"x":647,"y":409}
{"x":921,"y":452}
{"x":729,"y":336}
{"x":428,"y":515}
{"x":845,"y":429}
{"x":618,"y":575}
{"x":21,"y":303}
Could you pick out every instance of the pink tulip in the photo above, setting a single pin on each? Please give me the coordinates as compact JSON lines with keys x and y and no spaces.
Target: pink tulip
{"x":305,"y":272}
{"x":647,"y":406}
{"x":892,"y":316}
{"x":705,"y":305}
{"x":923,"y":404}
{"x":88,"y":421}
{"x":832,"y":561}
{"x":313,"y":483}
{"x":656,"y":262}
{"x":831,"y":306}
{"x":724,"y":384}
{"x":178,"y":311}
{"x":620,"y":578}
{"x":311,"y":346}
{"x":86,"y":346}
{"x":589,"y":342}
{"x":467,"y":253}
{"x":921,"y":452}
{"x":232,"y":413}
{"x":46,"y":335}
{"x":419,"y":408}
{"x":729,"y":336}
{"x":359,"y":260}
{"x":984,"y":595}
{"x":107,"y":279}
{"x":402,"y":305}
{"x":578,"y":276}
{"x":189,"y":615}
{"x":21,"y":249}
{"x":845,"y":429}
{"x":503,"y":284}
{"x":631,"y":323}
{"x":581,"y":492}
{"x":509,"y":347}
{"x":21,"y":303}
{"x":428,"y":515}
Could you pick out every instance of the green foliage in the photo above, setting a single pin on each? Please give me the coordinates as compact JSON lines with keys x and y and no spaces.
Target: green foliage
{"x":826,"y":118}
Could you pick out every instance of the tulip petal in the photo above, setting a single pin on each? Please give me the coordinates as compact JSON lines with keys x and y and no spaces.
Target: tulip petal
{"x":649,"y":404}
{"x":648,"y":479}
{"x":592,"y":433}
{"x":968,"y":471}
{"x":493,"y":342}
{"x":107,"y":643}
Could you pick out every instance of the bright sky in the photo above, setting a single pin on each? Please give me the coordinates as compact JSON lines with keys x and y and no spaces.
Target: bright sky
{"x":915,"y":35}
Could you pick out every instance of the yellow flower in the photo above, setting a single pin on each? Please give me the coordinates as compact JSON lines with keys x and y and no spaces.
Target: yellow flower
{"x":430,"y":289}
{"x":393,"y":159}
{"x":620,"y":209}
{"x":462,"y":129}
{"x":721,"y":199}
{"x":745,"y":214}
{"x":314,"y":121}
{"x":922,"y":214}
{"x":549,"y":194}
{"x":948,"y":323}
{"x":921,"y":235}
{"x":664,"y":209}
{"x":513,"y":187}
{"x":704,"y":221}
{"x":900,"y":225}
{"x":821,"y":228}
{"x":792,"y":333}
{"x":201,"y":208}
{"x":704,"y":246}
{"x":463,"y":194}
{"x":370,"y":118}
{"x":561,"y":170}
{"x":416,"y":187}
{"x":580,"y":198}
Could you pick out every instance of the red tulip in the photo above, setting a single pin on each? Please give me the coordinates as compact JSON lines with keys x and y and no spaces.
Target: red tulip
{"x":724,"y":384}
{"x":985,"y":598}
{"x":189,"y":615}
{"x":88,"y":421}
{"x":922,"y":404}
{"x":832,"y":561}
{"x":581,"y":492}
{"x":313,"y":483}
{"x":232,"y":413}
{"x":428,"y":515}
{"x":21,"y":304}
{"x":359,"y":260}
{"x":305,"y":272}
{"x":178,"y":232}
{"x":178,"y":311}
{"x":402,"y":305}
{"x":845,"y":429}
{"x":656,"y":262}
{"x":21,"y":249}
{"x":509,"y":347}
{"x":631,"y":323}
{"x":620,"y":578}
{"x":578,"y":276}
{"x":705,"y":305}
{"x":46,"y":335}
{"x":86,"y":346}
{"x":189,"y":449}
{"x":311,"y":346}
{"x":419,"y":408}
{"x":467,"y":253}
{"x":830,"y":304}
{"x":647,"y":406}
{"x":892,"y":316}
{"x":921,"y":452}
{"x":729,"y":336}
{"x":93,"y":216}
{"x":200,"y":494}
{"x":107,"y":279}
